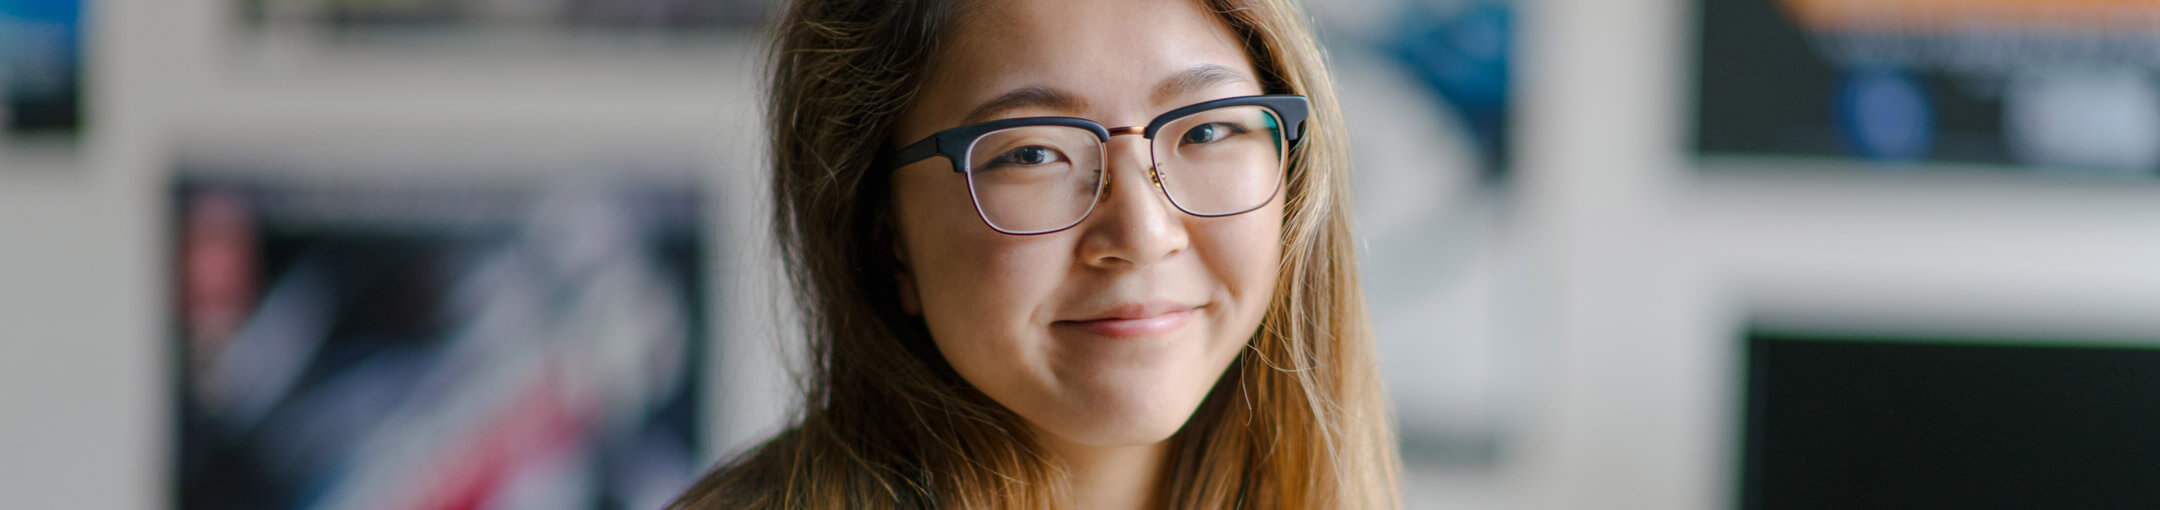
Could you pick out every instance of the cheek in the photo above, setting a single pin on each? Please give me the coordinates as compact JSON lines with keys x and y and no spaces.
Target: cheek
{"x":984,"y":300}
{"x":973,"y":283}
{"x":979,"y":289}
{"x":1244,"y":254}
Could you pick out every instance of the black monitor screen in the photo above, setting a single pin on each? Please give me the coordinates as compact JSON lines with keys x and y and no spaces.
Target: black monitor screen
{"x":1910,"y":423}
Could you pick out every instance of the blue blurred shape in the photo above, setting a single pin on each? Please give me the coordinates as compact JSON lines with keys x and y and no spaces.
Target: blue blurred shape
{"x":1463,"y":53}
{"x":1884,"y":115}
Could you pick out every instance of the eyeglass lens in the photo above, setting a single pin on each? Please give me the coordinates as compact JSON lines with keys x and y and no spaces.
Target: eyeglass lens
{"x":1037,"y":179}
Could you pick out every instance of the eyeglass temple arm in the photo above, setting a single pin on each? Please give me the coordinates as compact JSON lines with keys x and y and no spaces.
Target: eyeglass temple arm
{"x":918,"y":151}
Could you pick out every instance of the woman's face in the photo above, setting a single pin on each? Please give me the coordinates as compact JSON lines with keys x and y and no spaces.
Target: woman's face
{"x":1109,"y":333}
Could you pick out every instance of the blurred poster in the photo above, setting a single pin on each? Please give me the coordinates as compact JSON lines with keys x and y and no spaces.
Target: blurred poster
{"x":41,"y":68}
{"x":2026,"y":85}
{"x":454,"y":15}
{"x":430,"y":346}
{"x":1462,"y":51}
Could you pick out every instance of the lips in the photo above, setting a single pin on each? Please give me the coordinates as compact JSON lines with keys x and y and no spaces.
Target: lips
{"x":1135,"y":320}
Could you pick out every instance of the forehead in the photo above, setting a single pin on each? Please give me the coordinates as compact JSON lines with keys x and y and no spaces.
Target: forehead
{"x":1112,"y":54}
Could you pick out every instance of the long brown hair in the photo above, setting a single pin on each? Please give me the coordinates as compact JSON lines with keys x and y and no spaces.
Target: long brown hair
{"x":1298,"y":421}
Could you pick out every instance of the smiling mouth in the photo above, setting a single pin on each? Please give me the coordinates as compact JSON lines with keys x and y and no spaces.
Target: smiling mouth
{"x":1134,"y":325}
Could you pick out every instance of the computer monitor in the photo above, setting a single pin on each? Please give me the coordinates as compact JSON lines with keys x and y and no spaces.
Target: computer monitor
{"x":1850,"y":421}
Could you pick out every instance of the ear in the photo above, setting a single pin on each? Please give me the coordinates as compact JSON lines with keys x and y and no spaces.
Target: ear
{"x":904,"y":281}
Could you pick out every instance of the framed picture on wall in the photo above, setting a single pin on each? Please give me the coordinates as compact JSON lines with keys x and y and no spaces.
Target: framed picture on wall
{"x":496,"y":25}
{"x":42,"y":86}
{"x":428,"y":344}
{"x":1994,"y":86}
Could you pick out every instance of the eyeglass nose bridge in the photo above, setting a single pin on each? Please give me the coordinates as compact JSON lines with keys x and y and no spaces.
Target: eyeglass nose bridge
{"x":1154,"y":171}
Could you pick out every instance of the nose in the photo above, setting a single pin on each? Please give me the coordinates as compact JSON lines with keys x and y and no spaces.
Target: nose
{"x":1134,"y":224}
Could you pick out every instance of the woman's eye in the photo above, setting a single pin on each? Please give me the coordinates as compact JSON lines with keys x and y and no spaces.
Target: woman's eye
{"x":1028,"y":156}
{"x":1210,"y":132}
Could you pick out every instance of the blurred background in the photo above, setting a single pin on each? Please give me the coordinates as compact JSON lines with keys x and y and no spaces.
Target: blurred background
{"x":1620,"y":254}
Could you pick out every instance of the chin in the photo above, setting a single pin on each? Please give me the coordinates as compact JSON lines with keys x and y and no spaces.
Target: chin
{"x":1126,"y":416}
{"x":1131,"y":401}
{"x":1119,"y":431}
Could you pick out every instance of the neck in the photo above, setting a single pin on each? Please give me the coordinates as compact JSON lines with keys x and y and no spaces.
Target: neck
{"x":1115,"y":477}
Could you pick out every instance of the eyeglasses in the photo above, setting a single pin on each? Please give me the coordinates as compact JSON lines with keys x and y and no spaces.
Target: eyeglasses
{"x":1039,"y":175}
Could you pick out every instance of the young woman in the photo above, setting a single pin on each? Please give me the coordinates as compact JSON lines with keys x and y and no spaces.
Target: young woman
{"x":1057,"y":254}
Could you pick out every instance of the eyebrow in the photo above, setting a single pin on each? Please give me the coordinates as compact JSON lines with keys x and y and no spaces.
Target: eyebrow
{"x":1196,"y":78}
{"x":1026,"y":97}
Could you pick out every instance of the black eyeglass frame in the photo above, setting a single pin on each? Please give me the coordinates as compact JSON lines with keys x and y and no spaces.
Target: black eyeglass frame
{"x":1291,"y":111}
